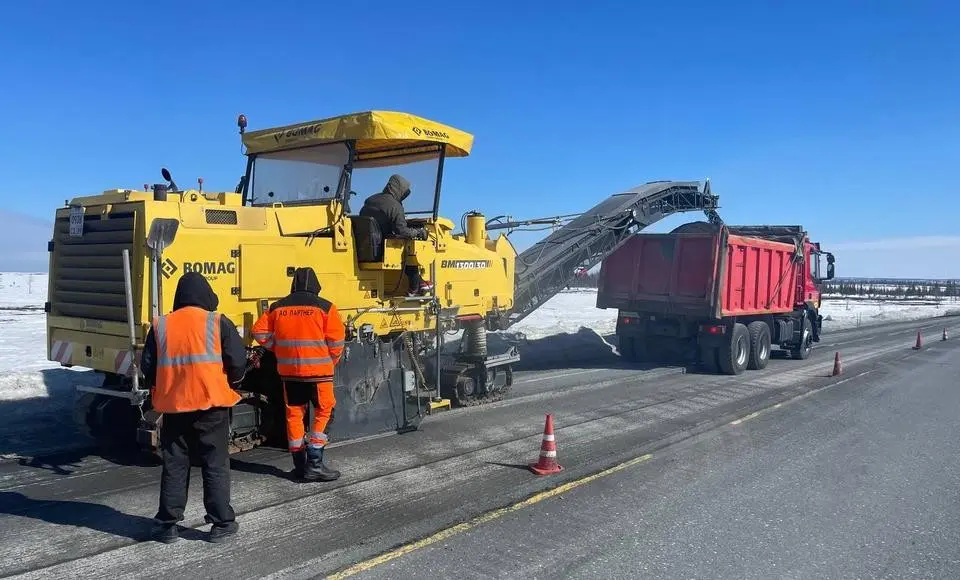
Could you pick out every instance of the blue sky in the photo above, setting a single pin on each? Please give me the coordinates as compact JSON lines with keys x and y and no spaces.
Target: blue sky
{"x":841,"y":116}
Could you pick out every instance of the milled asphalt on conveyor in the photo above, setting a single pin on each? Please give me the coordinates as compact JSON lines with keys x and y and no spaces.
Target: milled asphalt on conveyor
{"x":81,"y":515}
{"x":858,"y":480}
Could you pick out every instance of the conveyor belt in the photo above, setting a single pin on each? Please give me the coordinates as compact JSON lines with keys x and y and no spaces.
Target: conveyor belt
{"x":548,"y":266}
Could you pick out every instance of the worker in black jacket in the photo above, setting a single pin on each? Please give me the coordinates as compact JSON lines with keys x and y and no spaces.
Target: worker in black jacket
{"x":193,"y":360}
{"x":387,"y":209}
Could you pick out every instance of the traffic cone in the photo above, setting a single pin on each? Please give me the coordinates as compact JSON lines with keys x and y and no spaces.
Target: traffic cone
{"x":837,"y":366}
{"x":919,"y":344}
{"x":944,"y":333}
{"x":547,"y":464}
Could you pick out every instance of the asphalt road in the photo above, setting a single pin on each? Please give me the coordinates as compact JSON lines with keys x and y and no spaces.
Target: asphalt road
{"x":859,"y":480}
{"x":80,"y":515}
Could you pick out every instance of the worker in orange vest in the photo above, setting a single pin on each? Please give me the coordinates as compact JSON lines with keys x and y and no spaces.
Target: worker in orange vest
{"x":306,"y":335}
{"x":192,"y":357}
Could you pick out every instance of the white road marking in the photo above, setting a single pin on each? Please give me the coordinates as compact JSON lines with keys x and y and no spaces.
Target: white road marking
{"x":560,"y":375}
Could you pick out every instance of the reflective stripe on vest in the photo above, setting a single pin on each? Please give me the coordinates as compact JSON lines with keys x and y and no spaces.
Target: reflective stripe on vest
{"x":210,"y":356}
{"x":190,"y":375}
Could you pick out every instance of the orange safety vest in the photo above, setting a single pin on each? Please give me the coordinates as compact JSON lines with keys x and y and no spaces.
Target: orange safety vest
{"x":307,"y":339}
{"x":190,"y":374}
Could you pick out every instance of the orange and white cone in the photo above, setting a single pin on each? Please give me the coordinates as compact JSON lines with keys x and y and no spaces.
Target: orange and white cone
{"x":837,"y":366}
{"x":547,"y":464}
{"x":919,"y":344}
{"x":944,"y":333}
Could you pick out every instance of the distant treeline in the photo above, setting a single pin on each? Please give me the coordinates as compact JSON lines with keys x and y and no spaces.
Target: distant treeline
{"x":893,"y":288}
{"x":875,"y":287}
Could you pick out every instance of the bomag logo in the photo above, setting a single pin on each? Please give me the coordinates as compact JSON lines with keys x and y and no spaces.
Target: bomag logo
{"x":168,"y":268}
{"x":465,"y":264}
{"x":210,"y":268}
{"x":298,"y":132}
{"x":430,"y":133}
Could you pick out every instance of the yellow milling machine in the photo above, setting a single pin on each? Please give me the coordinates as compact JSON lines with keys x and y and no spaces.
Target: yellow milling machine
{"x":115,"y":260}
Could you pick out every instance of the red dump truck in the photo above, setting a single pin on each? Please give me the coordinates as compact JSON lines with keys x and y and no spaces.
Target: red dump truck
{"x":722,"y":295}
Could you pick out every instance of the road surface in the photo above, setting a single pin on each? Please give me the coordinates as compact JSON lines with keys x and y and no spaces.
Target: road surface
{"x":859,"y":480}
{"x":79,"y":515}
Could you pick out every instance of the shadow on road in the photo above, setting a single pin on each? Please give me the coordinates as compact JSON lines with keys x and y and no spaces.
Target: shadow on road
{"x":259,"y":468}
{"x":39,"y":413}
{"x":85,"y":515}
{"x":522,"y":466}
{"x":67,"y":462}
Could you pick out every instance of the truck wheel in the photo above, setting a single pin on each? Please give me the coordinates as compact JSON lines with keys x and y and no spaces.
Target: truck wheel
{"x":759,"y":345}
{"x":802,"y":351}
{"x":733,"y":355}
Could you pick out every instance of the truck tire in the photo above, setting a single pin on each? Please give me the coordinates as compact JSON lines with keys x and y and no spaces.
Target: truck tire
{"x":802,"y":351}
{"x":733,"y":355}
{"x":759,"y":345}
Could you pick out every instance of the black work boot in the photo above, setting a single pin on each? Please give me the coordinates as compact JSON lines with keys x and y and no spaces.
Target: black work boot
{"x":299,"y":463}
{"x":223,"y":532}
{"x":166,"y":533}
{"x":315,"y":469}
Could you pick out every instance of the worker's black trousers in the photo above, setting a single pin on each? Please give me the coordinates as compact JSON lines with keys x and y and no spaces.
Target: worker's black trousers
{"x":203,"y":435}
{"x":413,"y":277}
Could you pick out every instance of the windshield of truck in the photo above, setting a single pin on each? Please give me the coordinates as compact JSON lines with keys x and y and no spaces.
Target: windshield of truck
{"x":303,"y":175}
{"x":815,"y":265}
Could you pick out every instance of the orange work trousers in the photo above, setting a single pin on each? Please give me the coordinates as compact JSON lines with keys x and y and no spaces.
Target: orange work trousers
{"x":296,"y":397}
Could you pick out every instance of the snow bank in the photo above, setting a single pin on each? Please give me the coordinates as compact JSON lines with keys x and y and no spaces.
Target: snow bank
{"x":568,"y":312}
{"x":839,"y":313}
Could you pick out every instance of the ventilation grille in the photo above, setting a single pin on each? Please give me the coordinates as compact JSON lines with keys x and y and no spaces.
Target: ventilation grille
{"x":87,"y":273}
{"x":221,"y":217}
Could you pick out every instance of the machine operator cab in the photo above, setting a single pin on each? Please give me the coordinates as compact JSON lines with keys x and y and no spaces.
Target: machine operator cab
{"x":340,"y":161}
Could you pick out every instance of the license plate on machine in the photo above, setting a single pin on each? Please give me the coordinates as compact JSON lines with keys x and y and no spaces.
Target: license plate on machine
{"x":76,"y":220}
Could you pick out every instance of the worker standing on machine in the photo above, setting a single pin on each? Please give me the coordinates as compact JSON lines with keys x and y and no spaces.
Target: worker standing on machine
{"x":191,"y":358}
{"x":387,"y":209}
{"x":306,"y":335}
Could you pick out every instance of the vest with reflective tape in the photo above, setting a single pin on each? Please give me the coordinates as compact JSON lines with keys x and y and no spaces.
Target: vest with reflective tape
{"x":307,"y":340}
{"x":190,"y":374}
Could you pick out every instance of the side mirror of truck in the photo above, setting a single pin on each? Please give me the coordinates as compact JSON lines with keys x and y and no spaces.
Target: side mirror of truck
{"x":830,"y":267}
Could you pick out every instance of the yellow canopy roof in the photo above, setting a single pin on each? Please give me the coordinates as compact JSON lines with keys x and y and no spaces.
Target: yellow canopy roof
{"x":374,"y":132}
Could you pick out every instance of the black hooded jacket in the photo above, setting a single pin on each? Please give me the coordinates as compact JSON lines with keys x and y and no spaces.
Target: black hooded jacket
{"x":194,"y":290}
{"x":304,"y":291}
{"x":387,"y":209}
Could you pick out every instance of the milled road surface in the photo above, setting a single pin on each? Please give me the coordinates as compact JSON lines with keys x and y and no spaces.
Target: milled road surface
{"x":859,"y":480}
{"x":79,"y":515}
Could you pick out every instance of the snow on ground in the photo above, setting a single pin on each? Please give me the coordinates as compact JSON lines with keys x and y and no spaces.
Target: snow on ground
{"x":34,"y":392}
{"x":839,"y":313}
{"x":574,"y":309}
{"x":567,"y":330}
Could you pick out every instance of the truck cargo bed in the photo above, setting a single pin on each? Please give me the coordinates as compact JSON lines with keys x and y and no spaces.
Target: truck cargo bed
{"x":708,"y":275}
